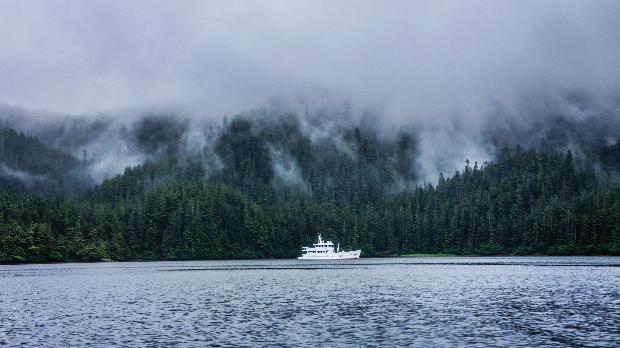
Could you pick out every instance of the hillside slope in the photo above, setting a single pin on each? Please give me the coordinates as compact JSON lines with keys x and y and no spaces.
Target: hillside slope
{"x":27,"y":165}
{"x":273,"y":190}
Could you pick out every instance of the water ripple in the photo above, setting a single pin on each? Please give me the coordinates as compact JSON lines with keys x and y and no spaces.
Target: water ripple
{"x":473,"y":302}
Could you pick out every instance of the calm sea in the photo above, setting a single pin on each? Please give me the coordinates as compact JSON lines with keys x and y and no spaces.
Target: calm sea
{"x":504,"y":301}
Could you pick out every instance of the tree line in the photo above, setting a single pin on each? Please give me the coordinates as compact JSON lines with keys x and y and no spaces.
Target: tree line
{"x":524,"y":202}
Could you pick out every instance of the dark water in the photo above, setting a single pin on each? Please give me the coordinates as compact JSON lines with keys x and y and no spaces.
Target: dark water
{"x":509,"y":301}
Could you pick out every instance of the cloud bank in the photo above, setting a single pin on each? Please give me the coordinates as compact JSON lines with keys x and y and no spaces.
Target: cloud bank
{"x":415,"y":58}
{"x":452,"y":70}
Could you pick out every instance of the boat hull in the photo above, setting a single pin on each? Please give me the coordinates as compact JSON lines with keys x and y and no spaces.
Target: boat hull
{"x":343,"y":255}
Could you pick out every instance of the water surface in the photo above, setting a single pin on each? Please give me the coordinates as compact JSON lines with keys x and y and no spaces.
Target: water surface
{"x":498,"y":301}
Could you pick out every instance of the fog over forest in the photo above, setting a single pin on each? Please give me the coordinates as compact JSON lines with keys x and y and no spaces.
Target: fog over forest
{"x":310,"y":173}
{"x":234,"y":129}
{"x":464,"y":78}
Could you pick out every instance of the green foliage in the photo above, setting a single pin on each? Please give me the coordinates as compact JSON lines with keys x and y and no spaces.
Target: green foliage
{"x":27,"y":165}
{"x":523,"y":203}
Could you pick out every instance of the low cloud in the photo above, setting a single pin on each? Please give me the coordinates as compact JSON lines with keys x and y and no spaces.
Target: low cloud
{"x":466,"y":78}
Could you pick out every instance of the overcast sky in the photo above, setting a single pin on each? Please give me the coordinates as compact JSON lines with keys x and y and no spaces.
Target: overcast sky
{"x":411,"y":57}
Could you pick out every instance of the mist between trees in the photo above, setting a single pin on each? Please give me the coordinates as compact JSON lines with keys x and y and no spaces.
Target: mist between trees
{"x":264,"y":183}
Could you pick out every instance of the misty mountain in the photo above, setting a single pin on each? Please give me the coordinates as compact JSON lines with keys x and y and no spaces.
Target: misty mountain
{"x":116,"y":140}
{"x":319,"y":149}
{"x":27,"y":165}
{"x":260,"y":185}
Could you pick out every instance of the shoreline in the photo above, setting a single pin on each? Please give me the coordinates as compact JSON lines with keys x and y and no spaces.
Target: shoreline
{"x":414,"y":255}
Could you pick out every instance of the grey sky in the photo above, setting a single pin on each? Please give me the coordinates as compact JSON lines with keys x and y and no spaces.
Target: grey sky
{"x":411,"y":58}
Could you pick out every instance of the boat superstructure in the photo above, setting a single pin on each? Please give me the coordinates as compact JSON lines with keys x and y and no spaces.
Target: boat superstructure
{"x":324,"y":250}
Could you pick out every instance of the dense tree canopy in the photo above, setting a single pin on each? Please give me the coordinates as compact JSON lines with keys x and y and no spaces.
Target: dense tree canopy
{"x":274,"y":189}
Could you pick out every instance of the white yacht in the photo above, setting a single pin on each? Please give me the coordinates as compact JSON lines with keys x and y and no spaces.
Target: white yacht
{"x":324,"y":250}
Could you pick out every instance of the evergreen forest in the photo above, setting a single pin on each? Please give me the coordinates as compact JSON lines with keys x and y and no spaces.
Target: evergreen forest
{"x":265,"y":187}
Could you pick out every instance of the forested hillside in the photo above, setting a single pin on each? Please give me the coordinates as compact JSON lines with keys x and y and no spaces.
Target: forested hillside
{"x":27,"y":165}
{"x":264,"y":188}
